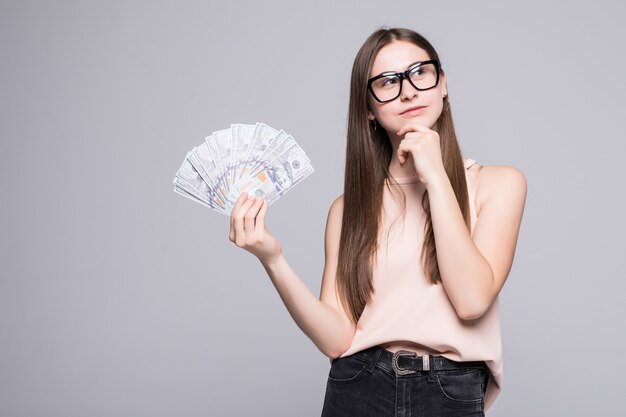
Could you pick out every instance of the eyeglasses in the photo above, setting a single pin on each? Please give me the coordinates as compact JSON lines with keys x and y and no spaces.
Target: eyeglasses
{"x":387,"y":86}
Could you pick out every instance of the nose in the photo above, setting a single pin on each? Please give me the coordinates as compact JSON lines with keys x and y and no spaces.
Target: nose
{"x":408,"y":91}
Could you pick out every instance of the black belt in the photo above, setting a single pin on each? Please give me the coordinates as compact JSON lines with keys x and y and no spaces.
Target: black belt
{"x":406,"y":362}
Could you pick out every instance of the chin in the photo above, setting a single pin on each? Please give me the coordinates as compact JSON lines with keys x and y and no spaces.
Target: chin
{"x":420,"y":119}
{"x":431,"y":124}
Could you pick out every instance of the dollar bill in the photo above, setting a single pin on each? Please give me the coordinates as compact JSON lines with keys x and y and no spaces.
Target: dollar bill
{"x":252,"y":158}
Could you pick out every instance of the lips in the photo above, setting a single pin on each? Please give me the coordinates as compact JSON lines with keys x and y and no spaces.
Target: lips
{"x":412,"y":108}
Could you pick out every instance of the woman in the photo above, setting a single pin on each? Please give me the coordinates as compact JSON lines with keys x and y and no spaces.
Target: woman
{"x":417,"y":248}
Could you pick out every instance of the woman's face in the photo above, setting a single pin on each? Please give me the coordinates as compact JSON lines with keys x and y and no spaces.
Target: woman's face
{"x":397,"y":56}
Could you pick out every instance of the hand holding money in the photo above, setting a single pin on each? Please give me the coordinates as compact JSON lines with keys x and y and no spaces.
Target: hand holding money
{"x":248,"y":230}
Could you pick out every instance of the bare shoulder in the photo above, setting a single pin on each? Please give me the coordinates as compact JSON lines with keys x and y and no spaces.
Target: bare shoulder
{"x":502,"y":180}
{"x":333,"y":225}
{"x":337,"y":205}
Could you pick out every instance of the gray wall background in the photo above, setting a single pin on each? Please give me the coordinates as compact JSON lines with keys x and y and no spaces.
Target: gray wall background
{"x":120,"y":298}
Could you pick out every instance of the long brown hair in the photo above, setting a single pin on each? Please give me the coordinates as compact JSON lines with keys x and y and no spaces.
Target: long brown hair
{"x":368,"y":154}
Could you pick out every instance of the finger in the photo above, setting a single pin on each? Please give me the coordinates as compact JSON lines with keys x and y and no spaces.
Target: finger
{"x":403,"y":153}
{"x":243,"y":207}
{"x":260,"y":218}
{"x":239,"y":218}
{"x":242,"y":197}
{"x":250,"y":215}
{"x":413,"y":127}
{"x":240,"y":200}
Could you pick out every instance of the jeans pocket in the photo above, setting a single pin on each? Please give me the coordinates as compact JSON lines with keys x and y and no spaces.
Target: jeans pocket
{"x":461,"y":386}
{"x":346,"y":369}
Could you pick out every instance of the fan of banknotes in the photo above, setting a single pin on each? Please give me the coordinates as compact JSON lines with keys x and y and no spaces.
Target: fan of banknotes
{"x":256,"y":159}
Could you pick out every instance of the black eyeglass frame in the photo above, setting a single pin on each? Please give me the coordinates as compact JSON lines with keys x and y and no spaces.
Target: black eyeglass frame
{"x":402,"y":76}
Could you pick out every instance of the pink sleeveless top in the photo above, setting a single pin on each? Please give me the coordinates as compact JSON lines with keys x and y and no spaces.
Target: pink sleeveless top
{"x":406,"y":307}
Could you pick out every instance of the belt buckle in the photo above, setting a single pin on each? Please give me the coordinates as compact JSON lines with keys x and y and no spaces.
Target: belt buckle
{"x":394,"y":362}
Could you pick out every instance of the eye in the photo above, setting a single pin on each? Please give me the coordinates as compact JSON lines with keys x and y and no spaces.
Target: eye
{"x":417,"y":71}
{"x":386,"y":82}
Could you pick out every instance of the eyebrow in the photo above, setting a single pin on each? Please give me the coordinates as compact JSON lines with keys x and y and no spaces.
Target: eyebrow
{"x":407,"y":67}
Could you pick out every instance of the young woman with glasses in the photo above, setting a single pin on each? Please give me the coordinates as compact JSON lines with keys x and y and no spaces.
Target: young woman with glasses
{"x":417,"y":248}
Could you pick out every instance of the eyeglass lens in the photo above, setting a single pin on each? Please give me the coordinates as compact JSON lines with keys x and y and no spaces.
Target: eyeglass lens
{"x":422,"y":77}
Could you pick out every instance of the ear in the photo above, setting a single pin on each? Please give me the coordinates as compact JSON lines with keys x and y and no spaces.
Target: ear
{"x":444,"y":88}
{"x":370,"y":115}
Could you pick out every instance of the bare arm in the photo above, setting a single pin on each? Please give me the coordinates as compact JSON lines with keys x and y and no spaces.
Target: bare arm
{"x":474,"y":268}
{"x":322,"y":320}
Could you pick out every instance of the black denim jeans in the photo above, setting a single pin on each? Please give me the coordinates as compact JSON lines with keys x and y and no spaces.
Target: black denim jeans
{"x":376,"y":383}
